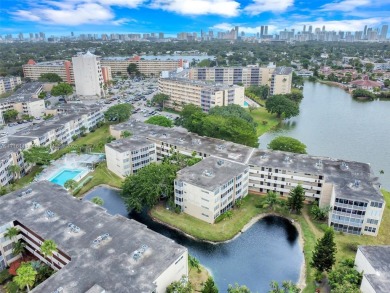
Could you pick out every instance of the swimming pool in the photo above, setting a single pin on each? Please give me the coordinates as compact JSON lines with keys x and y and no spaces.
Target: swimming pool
{"x":65,"y":175}
{"x":246,"y":104}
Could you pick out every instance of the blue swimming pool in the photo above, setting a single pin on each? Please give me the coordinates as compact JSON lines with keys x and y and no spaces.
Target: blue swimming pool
{"x":246,"y":104}
{"x":64,"y":176}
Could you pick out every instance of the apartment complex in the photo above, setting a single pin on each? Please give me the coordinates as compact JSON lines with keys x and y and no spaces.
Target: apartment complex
{"x":210,"y":187}
{"x":9,"y":83}
{"x":147,"y":67}
{"x":92,"y":244}
{"x":67,"y":122}
{"x":129,"y":155}
{"x":350,"y":188}
{"x":206,"y":95}
{"x":277,"y":78}
{"x":25,"y":101}
{"x":373,"y":262}
{"x":88,"y":75}
{"x":62,"y":68}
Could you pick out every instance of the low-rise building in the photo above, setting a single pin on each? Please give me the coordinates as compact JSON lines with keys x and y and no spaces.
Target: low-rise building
{"x":97,"y":252}
{"x":63,"y":68}
{"x":206,"y":95}
{"x":349,"y":188}
{"x":129,"y":155}
{"x":9,"y":83}
{"x":374,"y":263}
{"x":211,"y":187}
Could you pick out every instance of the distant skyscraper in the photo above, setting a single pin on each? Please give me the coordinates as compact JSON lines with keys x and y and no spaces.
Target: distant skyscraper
{"x":262,"y":31}
{"x":42,"y":36}
{"x":304,"y":28}
{"x":31,"y":36}
{"x":72,"y":34}
{"x":323,"y":28}
{"x":266,"y":30}
{"x":310,"y":29}
{"x":236,"y":32}
{"x":161,"y":35}
{"x":384,"y":30}
{"x":21,"y":36}
{"x":365,"y":31}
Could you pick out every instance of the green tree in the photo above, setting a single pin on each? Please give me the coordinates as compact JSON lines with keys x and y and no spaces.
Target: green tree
{"x":238,"y":289}
{"x":345,"y":276}
{"x":209,"y":286}
{"x":132,"y":69}
{"x":62,"y":89}
{"x":97,"y":200}
{"x":15,"y":170}
{"x":296,"y":199}
{"x":318,"y":213}
{"x":282,"y":106}
{"x":10,"y":115}
{"x":125,"y":134}
{"x":70,"y":184}
{"x":118,"y":113}
{"x":271,"y":199}
{"x":25,"y":276}
{"x":39,"y":155}
{"x":191,"y":118}
{"x":19,"y":248}
{"x":324,"y":255}
{"x":369,"y":67}
{"x":160,"y":120}
{"x":11,"y":233}
{"x":55,"y":144}
{"x":50,"y":77}
{"x":159,"y":99}
{"x":231,"y":111}
{"x":287,"y":287}
{"x":181,"y":286}
{"x":143,"y":189}
{"x":48,"y":248}
{"x":287,"y":144}
{"x":193,"y":262}
{"x":296,"y":95}
{"x":387,"y":82}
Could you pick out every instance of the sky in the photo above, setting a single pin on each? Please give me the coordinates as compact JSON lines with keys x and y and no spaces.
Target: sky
{"x":60,"y":17}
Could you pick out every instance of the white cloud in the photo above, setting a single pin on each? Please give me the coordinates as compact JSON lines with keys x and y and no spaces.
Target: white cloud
{"x":226,"y":8}
{"x":122,"y":21}
{"x":260,"y":6}
{"x":345,"y":5}
{"x":122,"y":3}
{"x":26,"y":15}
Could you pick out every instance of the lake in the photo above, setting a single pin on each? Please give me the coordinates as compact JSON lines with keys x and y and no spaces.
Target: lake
{"x":333,"y":124}
{"x":267,"y":251}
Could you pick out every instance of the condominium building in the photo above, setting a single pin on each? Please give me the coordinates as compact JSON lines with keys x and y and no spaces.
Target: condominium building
{"x":25,"y":101}
{"x":9,"y":83}
{"x":349,"y":188}
{"x":107,"y":75}
{"x":95,"y":252}
{"x":277,"y":78}
{"x":127,"y":156}
{"x":88,"y":75}
{"x":373,"y":262}
{"x":210,"y":187}
{"x":206,"y":95}
{"x":147,"y":67}
{"x":62,"y":68}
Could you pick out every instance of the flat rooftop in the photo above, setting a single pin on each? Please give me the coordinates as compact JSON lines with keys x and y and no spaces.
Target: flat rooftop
{"x":110,"y":265}
{"x":205,"y":84}
{"x":342,"y":173}
{"x":283,"y":70}
{"x":211,"y":173}
{"x":24,"y":93}
{"x":128,"y":144}
{"x":53,"y":63}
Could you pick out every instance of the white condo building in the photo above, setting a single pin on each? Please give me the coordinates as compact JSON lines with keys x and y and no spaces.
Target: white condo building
{"x":88,"y":75}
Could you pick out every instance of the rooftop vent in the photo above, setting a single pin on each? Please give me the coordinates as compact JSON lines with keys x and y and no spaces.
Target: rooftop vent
{"x":287,"y":159}
{"x":207,"y":173}
{"x":49,"y":214}
{"x":73,"y":228}
{"x":35,"y":205}
{"x":220,"y":162}
{"x":319,"y":164}
{"x":220,"y":147}
{"x":100,"y":239}
{"x":139,"y":252}
{"x":264,"y":156}
{"x":59,"y":290}
{"x":356,"y":183}
{"x":344,"y":166}
{"x":196,"y":141}
{"x":181,"y":139}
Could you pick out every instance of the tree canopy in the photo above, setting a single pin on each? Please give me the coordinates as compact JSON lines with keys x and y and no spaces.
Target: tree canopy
{"x":345,"y":276}
{"x":25,"y":276}
{"x":181,"y":286}
{"x":118,"y":113}
{"x":209,"y":286}
{"x":282,"y":106}
{"x":324,"y":255}
{"x":62,"y":89}
{"x":296,"y":199}
{"x":132,"y":69}
{"x":97,"y":200}
{"x":10,"y":115}
{"x":160,"y":120}
{"x":238,"y":289}
{"x":232,"y":110}
{"x":144,"y":188}
{"x":257,"y":92}
{"x":287,"y":287}
{"x":159,"y":99}
{"x":287,"y":144}
{"x":50,"y":77}
{"x":39,"y":155}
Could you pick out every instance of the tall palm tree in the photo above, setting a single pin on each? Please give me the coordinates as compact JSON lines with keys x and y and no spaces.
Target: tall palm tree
{"x":19,"y":248}
{"x":26,"y":276}
{"x":271,"y":199}
{"x":11,"y":233}
{"x":15,"y":169}
{"x":48,"y":248}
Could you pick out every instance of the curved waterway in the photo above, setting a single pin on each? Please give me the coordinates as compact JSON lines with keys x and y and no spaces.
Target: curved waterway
{"x":333,"y":124}
{"x":267,"y":251}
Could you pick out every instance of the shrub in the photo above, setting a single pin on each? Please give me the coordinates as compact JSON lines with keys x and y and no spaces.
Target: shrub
{"x":5,"y":276}
{"x":12,"y":287}
{"x":352,"y":246}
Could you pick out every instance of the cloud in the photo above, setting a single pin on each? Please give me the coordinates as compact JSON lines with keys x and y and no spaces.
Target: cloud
{"x":260,"y":6}
{"x":345,"y":5}
{"x":122,"y":3}
{"x":227,"y":8}
{"x":122,"y":21}
{"x":26,"y":15}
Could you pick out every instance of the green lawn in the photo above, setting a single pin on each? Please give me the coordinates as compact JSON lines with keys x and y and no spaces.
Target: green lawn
{"x":28,"y":178}
{"x":259,"y":115}
{"x":101,"y":175}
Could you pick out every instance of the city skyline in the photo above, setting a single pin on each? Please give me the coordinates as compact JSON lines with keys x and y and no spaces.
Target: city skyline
{"x":141,"y":16}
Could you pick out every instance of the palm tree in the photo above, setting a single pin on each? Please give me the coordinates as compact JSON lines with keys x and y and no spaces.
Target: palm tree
{"x":15,"y":169}
{"x":70,"y":184}
{"x":55,"y":144}
{"x":194,"y":262}
{"x":48,"y":248}
{"x":19,"y":248}
{"x":97,"y":200}
{"x":271,"y":199}
{"x":11,"y":233}
{"x":25,"y":276}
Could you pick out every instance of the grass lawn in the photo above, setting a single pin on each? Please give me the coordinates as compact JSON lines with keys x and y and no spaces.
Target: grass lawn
{"x":101,"y":175}
{"x":28,"y":178}
{"x":196,"y":278}
{"x":259,"y":115}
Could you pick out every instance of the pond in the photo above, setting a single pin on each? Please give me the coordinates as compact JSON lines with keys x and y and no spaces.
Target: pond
{"x":267,"y":251}
{"x":331,"y":123}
